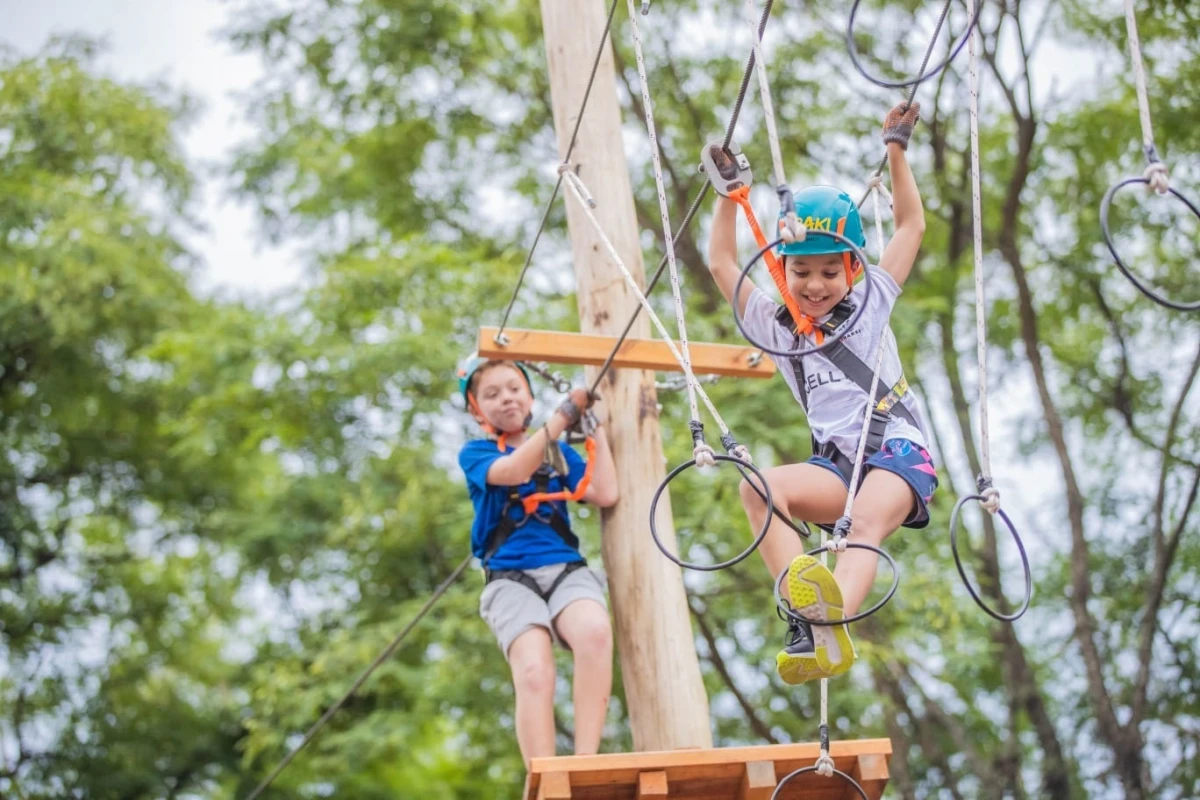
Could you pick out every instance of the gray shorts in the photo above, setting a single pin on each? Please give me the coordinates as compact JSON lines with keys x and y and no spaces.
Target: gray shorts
{"x":510,"y":609}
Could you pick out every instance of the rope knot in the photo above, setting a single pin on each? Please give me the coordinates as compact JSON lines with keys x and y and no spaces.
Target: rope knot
{"x":991,"y":500}
{"x":991,"y":495}
{"x":875,"y":182}
{"x":825,"y":765}
{"x":1158,"y":177}
{"x":742,"y":453}
{"x":704,"y":454}
{"x":791,"y":230}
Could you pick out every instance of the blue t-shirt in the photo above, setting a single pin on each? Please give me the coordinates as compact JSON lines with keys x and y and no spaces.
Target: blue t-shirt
{"x":534,"y":544}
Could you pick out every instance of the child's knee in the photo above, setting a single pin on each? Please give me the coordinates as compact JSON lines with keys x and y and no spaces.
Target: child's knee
{"x":592,"y":637}
{"x":753,"y":493}
{"x":596,"y":640}
{"x":869,"y":526}
{"x":534,"y":676}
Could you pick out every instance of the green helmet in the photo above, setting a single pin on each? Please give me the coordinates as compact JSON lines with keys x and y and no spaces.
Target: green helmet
{"x":824,"y":208}
{"x":471,"y":365}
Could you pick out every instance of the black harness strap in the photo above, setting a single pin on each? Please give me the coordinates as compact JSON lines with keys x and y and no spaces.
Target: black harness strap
{"x":508,"y":526}
{"x":887,"y":400}
{"x":526,"y":580}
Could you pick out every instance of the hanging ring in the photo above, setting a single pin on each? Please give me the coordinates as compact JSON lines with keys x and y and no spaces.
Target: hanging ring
{"x":963,"y":572}
{"x":929,"y":73}
{"x":1193,"y":305}
{"x":722,"y":565}
{"x":803,"y":770}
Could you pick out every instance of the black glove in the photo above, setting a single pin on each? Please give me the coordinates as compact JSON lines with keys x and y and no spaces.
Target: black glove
{"x":899,"y":123}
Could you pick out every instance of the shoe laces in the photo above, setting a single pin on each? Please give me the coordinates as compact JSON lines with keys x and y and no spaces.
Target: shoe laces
{"x":797,"y":631}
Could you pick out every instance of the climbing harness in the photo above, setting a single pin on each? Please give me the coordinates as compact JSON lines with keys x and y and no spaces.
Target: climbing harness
{"x":1155,"y":177}
{"x":988,"y":496}
{"x":922,"y":75}
{"x":527,"y":580}
{"x":530,"y":504}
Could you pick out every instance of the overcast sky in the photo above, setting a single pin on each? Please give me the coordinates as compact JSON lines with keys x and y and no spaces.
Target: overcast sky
{"x":176,"y":40}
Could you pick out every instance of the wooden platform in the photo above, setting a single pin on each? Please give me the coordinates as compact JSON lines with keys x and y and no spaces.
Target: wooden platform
{"x":556,"y":347}
{"x":736,"y":773}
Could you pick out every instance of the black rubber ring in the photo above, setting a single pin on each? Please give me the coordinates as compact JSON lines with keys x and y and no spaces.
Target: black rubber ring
{"x":790,"y":614}
{"x":832,"y":338}
{"x":722,"y":565}
{"x":1112,"y":248}
{"x":931,"y":72}
{"x":853,"y":783}
{"x":963,"y":572}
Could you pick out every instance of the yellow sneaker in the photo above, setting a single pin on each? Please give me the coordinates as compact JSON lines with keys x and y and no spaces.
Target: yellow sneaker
{"x":814,"y":651}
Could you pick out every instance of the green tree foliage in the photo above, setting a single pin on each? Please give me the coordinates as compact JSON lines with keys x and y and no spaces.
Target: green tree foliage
{"x":215,"y":515}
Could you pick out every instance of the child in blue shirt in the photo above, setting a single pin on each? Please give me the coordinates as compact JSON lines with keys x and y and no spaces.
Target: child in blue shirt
{"x":539,"y":588}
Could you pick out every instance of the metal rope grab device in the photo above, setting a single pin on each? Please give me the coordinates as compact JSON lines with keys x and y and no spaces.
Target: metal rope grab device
{"x":1155,"y":177}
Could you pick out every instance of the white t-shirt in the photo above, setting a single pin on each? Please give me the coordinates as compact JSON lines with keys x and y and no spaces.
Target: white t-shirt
{"x":837,"y":405}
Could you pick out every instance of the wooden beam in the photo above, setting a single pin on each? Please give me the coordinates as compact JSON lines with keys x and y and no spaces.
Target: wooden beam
{"x":652,"y":785}
{"x":735,"y":773}
{"x":871,"y":772}
{"x":555,"y":786}
{"x":664,"y":691}
{"x":554,"y":347}
{"x":758,"y":781}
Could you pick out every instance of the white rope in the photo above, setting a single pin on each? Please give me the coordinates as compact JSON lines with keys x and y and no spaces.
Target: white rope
{"x":840,"y":544}
{"x":664,"y":213}
{"x":991,"y":500}
{"x":1156,"y":172}
{"x":579,"y":190}
{"x":875,"y":187}
{"x":825,"y":765}
{"x":792,"y":230}
{"x":824,"y":755}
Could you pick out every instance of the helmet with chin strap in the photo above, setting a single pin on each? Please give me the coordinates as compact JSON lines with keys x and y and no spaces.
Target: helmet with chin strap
{"x":827,"y":208}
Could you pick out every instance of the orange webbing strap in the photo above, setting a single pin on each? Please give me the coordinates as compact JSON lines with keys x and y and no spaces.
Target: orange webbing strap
{"x":804,"y":323}
{"x":846,"y":258}
{"x":531,"y":502}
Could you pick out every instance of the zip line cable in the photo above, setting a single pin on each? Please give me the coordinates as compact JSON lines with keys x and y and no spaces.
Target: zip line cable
{"x":382,"y":657}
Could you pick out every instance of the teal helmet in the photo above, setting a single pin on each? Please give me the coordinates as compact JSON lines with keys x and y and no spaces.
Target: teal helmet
{"x":471,"y":365}
{"x":824,"y":208}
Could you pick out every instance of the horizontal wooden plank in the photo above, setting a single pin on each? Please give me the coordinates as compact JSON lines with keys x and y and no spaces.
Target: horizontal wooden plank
{"x":554,"y":347}
{"x":717,"y":774}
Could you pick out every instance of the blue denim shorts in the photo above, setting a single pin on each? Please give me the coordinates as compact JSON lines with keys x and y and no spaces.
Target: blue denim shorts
{"x":906,"y":459}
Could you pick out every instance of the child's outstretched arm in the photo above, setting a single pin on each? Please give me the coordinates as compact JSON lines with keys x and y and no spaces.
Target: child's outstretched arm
{"x":602,"y":491}
{"x":897,"y":259}
{"x":722,"y":254}
{"x":518,"y":466}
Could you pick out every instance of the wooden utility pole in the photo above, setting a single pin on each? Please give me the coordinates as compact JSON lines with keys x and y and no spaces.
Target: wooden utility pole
{"x":668,"y":707}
